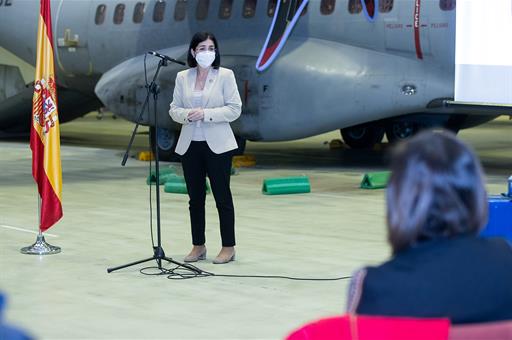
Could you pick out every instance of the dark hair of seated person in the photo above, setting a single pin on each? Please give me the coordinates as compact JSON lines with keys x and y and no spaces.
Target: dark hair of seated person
{"x":435,"y":190}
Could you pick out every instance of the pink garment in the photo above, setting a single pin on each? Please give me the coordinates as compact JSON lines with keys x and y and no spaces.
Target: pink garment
{"x":361,"y":327}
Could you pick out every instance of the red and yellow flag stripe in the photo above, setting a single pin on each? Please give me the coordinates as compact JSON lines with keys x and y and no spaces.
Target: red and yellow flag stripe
{"x":44,"y":132}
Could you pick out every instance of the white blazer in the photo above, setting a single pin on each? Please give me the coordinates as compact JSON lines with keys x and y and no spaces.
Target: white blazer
{"x":221,"y":105}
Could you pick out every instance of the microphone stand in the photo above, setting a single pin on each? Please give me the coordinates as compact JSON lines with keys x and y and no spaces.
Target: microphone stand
{"x":158,"y":251}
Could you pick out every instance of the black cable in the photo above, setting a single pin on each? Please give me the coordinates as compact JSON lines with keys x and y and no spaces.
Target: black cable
{"x":180,"y":272}
{"x":284,"y":277}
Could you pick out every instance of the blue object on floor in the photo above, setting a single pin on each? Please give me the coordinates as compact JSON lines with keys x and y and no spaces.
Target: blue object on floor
{"x":8,"y":332}
{"x":500,"y":218}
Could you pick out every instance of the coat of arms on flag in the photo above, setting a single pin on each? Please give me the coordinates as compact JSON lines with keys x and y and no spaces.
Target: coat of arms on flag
{"x":45,"y":108}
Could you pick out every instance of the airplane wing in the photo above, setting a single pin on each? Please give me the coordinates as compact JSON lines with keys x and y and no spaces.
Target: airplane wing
{"x":16,"y":103}
{"x":286,"y":15}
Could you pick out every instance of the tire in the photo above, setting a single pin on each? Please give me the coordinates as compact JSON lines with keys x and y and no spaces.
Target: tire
{"x":166,"y":144}
{"x":400,"y":130}
{"x":363,"y":136}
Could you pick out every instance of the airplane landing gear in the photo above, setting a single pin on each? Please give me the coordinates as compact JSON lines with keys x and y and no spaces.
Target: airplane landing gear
{"x":400,"y":130}
{"x":363,"y":136}
{"x":166,"y":144}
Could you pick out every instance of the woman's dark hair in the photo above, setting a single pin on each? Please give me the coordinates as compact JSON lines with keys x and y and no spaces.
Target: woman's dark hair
{"x":198,"y":38}
{"x":436,"y":190}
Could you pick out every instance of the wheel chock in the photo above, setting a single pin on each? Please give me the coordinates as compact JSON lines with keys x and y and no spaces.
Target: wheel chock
{"x":176,"y":185}
{"x":244,"y":161}
{"x":286,"y":185}
{"x":164,"y":174}
{"x":146,"y":156}
{"x":375,"y":180}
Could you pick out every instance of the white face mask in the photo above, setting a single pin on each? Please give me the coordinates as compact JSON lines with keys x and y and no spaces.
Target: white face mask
{"x":205,"y":59}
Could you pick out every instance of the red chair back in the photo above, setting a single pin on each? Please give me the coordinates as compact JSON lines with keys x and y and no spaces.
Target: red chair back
{"x":362,"y":327}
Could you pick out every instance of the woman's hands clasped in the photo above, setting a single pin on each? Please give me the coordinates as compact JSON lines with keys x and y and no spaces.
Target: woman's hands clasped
{"x":195,"y":115}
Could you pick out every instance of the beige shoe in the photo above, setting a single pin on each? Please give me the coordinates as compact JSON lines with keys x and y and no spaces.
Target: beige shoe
{"x":195,"y":256}
{"x":221,"y":259}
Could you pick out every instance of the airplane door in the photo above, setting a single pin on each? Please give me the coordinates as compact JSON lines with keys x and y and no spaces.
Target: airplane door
{"x":71,"y":31}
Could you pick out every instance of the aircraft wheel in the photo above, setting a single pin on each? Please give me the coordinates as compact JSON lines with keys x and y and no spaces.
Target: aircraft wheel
{"x":241,"y":146}
{"x":362,"y":136}
{"x":397,"y":131}
{"x":167,"y":140}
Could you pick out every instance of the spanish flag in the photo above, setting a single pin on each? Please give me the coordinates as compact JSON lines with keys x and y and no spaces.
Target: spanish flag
{"x":44,"y":132}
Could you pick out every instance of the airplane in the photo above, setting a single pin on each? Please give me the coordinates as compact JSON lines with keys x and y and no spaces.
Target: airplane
{"x":367,"y":67}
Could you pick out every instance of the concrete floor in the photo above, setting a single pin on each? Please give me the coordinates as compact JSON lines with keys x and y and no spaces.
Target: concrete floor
{"x":327,"y":233}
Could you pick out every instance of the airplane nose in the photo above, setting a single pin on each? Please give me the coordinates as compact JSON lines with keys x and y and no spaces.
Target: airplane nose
{"x":18,"y":28}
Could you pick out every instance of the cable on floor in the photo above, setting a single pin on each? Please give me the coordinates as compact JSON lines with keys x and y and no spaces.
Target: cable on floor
{"x":183,"y":272}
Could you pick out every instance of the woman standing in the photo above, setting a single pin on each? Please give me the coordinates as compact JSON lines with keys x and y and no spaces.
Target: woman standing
{"x":205,"y":101}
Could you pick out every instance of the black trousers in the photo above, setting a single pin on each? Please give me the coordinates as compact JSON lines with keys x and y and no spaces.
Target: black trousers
{"x":198,"y":162}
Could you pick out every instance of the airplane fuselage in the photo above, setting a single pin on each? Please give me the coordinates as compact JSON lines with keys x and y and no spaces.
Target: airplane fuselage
{"x":337,"y":70}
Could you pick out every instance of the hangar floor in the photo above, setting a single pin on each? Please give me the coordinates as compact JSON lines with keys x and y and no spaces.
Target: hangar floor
{"x":324,"y":234}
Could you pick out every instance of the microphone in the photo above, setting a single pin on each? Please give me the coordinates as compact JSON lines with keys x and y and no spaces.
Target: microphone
{"x":163,"y":56}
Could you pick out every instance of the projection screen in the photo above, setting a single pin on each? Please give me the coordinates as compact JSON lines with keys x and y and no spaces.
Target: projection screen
{"x":483,"y":51}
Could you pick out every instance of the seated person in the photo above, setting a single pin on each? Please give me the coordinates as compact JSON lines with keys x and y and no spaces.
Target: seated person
{"x":436,"y":207}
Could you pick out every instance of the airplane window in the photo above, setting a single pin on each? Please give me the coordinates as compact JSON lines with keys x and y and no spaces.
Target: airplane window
{"x":370,"y":8}
{"x":202,"y":9}
{"x":385,"y":6}
{"x":327,"y":6}
{"x":354,"y":6}
{"x":119,"y":14}
{"x":138,"y":12}
{"x":100,"y":14}
{"x":225,"y":9}
{"x":271,"y":7}
{"x":447,"y":5}
{"x":249,"y":8}
{"x":159,"y":11}
{"x":180,"y":11}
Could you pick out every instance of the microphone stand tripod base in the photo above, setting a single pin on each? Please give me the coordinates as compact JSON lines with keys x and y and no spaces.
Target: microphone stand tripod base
{"x":41,"y":247}
{"x":158,"y":256}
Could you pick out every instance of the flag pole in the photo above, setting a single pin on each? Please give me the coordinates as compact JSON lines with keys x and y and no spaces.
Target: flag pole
{"x":45,"y":136}
{"x":40,"y":247}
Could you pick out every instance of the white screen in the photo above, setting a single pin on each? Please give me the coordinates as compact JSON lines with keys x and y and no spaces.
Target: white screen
{"x":483,"y":51}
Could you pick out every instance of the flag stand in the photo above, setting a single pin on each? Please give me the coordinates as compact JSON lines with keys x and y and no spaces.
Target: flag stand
{"x":40,"y":247}
{"x":45,"y":135}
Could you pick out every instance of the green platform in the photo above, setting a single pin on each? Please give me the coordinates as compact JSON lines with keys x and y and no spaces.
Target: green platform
{"x":375,"y":180}
{"x":286,"y":185}
{"x":165,"y":173}
{"x":176,"y":185}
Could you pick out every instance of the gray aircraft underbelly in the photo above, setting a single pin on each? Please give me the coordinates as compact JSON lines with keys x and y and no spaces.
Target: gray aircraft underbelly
{"x":349,"y":87}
